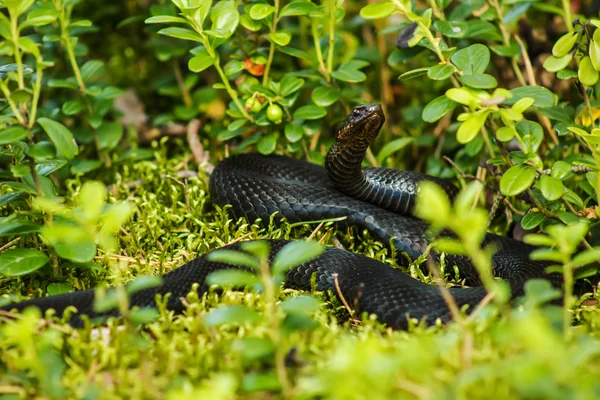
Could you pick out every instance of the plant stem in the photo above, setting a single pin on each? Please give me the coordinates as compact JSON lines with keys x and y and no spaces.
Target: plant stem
{"x":11,"y":103}
{"x":271,"y":308}
{"x":272,"y":48}
{"x":14,"y":32}
{"x":36,"y":178}
{"x":232,"y":93}
{"x":64,"y":35}
{"x":568,"y":299}
{"x":488,"y":143}
{"x":331,"y":36}
{"x":566,"y":4}
{"x":37,"y":88}
{"x":187,"y":99}
{"x":425,"y":29}
{"x":322,"y":67}
{"x":506,"y":39}
{"x":589,"y":107}
{"x":211,"y":52}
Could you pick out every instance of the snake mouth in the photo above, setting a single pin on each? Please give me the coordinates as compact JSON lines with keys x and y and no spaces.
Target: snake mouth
{"x":363,"y":124}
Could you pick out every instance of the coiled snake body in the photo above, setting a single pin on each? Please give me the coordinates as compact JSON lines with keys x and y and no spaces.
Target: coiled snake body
{"x":257,"y":187}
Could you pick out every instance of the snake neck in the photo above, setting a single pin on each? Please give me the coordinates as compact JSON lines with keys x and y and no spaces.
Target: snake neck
{"x":344,"y":165}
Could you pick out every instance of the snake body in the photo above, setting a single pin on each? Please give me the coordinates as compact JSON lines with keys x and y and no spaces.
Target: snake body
{"x":378,"y":200}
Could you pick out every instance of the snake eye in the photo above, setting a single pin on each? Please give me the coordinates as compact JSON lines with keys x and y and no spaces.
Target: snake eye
{"x":355,"y":112}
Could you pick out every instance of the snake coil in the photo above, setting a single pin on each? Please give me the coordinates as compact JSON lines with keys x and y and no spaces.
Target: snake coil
{"x":379,"y":200}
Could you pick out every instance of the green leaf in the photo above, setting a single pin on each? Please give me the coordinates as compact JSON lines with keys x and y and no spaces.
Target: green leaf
{"x":233,"y":277}
{"x":12,"y":134}
{"x":586,"y":257}
{"x":540,"y":291}
{"x":433,"y":204}
{"x":564,"y":44}
{"x":84,"y":166}
{"x":15,"y":227}
{"x":392,"y":147}
{"x":378,"y":10}
{"x":236,"y":314}
{"x":181,"y":33}
{"x":560,"y":169}
{"x":109,"y":135}
{"x":349,"y":75}
{"x":552,"y":188}
{"x":144,"y":315}
{"x":471,"y":127}
{"x":233,"y":257}
{"x":301,"y":54}
{"x":479,"y":81}
{"x":233,"y":67}
{"x":252,"y":348}
{"x":108,"y":302}
{"x":451,"y":29}
{"x":70,"y":242}
{"x":39,"y":17}
{"x":290,"y":84}
{"x":517,"y":179}
{"x":293,"y":133}
{"x":414,"y":73}
{"x":310,"y":112}
{"x":294,"y":254}
{"x":92,"y":70}
{"x":482,"y":30}
{"x":260,"y":382}
{"x":200,"y":61}
{"x":72,"y":107}
{"x":267,"y":143}
{"x":10,"y":197}
{"x":573,"y":198}
{"x":466,"y":96}
{"x":546,"y":254}
{"x":542,"y":96}
{"x":595,"y":53}
{"x":554,"y":64}
{"x":280,"y":38}
{"x":63,"y":83}
{"x":41,"y":151}
{"x":505,"y":133}
{"x":59,"y":288}
{"x":17,"y":262}
{"x":531,"y":220}
{"x":260,"y":11}
{"x":143,"y":282}
{"x":349,"y":71}
{"x":588,"y":76}
{"x":449,"y":246}
{"x":60,"y":136}
{"x":47,"y":167}
{"x":437,"y":108}
{"x":165,"y":19}
{"x":298,"y":7}
{"x":440,"y":72}
{"x":566,"y":74}
{"x":325,"y":96}
{"x":303,"y":304}
{"x":472,"y":60}
{"x":531,"y":133}
{"x":249,"y":23}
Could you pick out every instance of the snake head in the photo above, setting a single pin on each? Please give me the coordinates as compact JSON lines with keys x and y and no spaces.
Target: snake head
{"x":362,"y":125}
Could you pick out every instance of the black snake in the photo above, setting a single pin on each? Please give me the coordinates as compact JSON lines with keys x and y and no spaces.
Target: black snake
{"x":376,"y":199}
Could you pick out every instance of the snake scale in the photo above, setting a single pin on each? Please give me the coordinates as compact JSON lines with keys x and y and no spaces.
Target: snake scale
{"x":378,"y":200}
